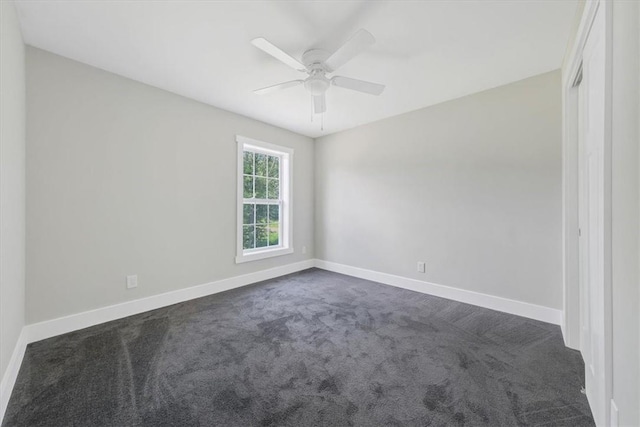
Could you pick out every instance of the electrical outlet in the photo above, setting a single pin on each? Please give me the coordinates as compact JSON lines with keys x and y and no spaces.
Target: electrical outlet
{"x":132,"y":281}
{"x":421,"y":267}
{"x":304,"y":249}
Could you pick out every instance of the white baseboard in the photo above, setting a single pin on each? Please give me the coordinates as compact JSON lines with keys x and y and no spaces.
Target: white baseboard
{"x":50,"y":328}
{"x":74,"y":322}
{"x":519,"y":308}
{"x":11,"y":374}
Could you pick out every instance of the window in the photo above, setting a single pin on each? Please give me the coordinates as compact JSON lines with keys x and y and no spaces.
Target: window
{"x":264,"y":200}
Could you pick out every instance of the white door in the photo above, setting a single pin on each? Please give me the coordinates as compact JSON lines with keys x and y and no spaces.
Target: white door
{"x":592,"y":103}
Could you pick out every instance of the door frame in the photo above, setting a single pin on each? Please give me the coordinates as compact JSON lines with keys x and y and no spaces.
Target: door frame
{"x":570,"y":191}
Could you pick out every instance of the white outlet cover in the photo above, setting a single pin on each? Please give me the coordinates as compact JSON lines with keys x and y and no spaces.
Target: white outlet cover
{"x":132,"y":281}
{"x":421,"y":267}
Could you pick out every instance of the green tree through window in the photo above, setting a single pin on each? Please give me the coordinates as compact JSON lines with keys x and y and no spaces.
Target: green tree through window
{"x":264,"y":185}
{"x":261,"y":204}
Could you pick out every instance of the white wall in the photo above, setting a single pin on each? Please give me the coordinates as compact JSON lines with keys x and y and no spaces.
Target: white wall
{"x":625,"y":211}
{"x":124,"y":178}
{"x":12,"y":182}
{"x":580,"y":7}
{"x":471,"y":186}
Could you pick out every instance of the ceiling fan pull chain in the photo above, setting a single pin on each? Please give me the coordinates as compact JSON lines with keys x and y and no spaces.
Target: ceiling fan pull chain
{"x":317,"y":63}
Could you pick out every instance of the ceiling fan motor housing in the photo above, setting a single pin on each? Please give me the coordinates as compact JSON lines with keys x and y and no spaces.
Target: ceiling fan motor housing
{"x":317,"y":83}
{"x":314,"y":57}
{"x":317,"y":63}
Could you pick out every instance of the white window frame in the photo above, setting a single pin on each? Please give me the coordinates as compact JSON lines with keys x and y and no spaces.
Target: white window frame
{"x":286,"y":206}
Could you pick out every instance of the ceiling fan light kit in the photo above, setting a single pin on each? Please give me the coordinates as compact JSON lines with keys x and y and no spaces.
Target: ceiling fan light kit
{"x":317,"y":63}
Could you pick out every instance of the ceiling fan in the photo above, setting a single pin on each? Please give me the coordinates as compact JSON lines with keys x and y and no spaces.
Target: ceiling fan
{"x":317,"y":63}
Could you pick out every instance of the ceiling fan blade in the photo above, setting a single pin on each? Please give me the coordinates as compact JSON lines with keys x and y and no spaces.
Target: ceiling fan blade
{"x":268,"y":47}
{"x":319,"y":104}
{"x":359,"y":85}
{"x":355,"y":45}
{"x":279,"y":86}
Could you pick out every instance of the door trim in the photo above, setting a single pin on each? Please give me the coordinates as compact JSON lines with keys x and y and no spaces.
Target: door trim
{"x":570,"y":249}
{"x":571,"y":284}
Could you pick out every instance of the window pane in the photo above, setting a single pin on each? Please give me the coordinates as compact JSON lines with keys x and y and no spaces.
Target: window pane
{"x":274,"y":239}
{"x":248,"y":187}
{"x":261,"y":236}
{"x":261,"y":214}
{"x":248,"y":212}
{"x":248,"y":163}
{"x":274,"y":213}
{"x":274,"y":167}
{"x":247,"y":237}
{"x":263,"y":198}
{"x":261,"y":188}
{"x":261,"y":164}
{"x":273,"y":188}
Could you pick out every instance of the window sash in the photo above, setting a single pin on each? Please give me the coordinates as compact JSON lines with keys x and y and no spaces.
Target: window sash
{"x":269,"y":202}
{"x":263,"y":201}
{"x":283,"y":200}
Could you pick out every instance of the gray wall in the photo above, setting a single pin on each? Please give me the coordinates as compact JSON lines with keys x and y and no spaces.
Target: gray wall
{"x":124,"y":178}
{"x":472,"y":187}
{"x":625,"y":211}
{"x":12,"y":182}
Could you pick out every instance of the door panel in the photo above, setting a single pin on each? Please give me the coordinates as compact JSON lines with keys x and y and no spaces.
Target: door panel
{"x":592,"y":103}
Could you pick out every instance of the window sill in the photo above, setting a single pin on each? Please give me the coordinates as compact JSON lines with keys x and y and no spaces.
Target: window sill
{"x":269,"y":253}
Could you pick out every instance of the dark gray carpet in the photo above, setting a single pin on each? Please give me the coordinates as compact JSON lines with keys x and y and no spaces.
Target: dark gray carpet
{"x":309,"y":349}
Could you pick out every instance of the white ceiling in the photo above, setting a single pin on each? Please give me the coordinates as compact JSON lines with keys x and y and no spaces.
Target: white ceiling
{"x":426,"y":52}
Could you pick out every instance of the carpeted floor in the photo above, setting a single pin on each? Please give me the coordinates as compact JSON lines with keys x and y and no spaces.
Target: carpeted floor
{"x":309,"y":349}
